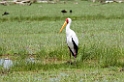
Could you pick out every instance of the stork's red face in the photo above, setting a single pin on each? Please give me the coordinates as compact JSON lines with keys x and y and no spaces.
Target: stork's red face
{"x":67,"y":20}
{"x":65,"y":23}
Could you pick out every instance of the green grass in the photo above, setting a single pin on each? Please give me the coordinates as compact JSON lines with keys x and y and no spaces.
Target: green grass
{"x":66,"y":75}
{"x":34,"y":30}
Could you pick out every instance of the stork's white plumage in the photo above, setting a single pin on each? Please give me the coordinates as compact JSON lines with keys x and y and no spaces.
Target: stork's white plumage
{"x":71,"y":37}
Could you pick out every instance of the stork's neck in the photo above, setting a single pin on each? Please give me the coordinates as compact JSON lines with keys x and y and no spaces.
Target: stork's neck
{"x":68,"y":27}
{"x":68,"y":30}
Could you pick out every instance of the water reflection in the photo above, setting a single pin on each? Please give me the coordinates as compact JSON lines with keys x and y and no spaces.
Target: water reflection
{"x":7,"y":64}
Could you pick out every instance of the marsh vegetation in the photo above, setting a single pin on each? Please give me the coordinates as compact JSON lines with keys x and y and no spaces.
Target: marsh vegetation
{"x":33,"y":30}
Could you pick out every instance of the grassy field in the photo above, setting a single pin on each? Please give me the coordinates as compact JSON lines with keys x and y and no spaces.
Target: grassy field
{"x":34,"y":30}
{"x":66,"y":75}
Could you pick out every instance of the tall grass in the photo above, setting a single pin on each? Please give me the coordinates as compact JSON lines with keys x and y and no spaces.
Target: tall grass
{"x":34,"y":30}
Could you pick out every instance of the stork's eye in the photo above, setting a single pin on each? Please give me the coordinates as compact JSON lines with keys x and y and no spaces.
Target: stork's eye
{"x":67,"y":20}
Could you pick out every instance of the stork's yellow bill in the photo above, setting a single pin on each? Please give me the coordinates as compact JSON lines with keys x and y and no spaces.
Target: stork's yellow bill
{"x":65,"y":23}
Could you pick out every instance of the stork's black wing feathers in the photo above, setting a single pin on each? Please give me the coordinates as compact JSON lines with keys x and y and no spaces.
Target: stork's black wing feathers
{"x":75,"y":48}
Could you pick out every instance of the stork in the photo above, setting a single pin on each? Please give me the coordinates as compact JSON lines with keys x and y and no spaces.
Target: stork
{"x":63,"y":11}
{"x":70,"y":11}
{"x":5,"y":13}
{"x":71,"y":38}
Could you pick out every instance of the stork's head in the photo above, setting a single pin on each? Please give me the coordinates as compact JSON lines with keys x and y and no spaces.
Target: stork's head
{"x":67,"y":21}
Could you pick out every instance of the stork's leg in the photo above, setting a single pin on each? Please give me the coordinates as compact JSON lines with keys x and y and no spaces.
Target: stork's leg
{"x":70,"y":58}
{"x":75,"y":60}
{"x":70,"y":61}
